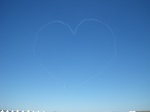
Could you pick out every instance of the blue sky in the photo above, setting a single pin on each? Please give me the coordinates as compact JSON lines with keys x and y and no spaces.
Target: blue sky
{"x":75,"y":56}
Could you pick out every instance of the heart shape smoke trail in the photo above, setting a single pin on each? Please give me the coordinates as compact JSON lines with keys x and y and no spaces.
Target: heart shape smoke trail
{"x":74,"y":31}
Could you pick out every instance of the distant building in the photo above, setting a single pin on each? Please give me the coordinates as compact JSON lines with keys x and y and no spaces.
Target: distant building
{"x":140,"y":111}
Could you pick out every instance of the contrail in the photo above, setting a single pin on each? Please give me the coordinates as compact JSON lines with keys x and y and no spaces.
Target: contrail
{"x":74,"y":31}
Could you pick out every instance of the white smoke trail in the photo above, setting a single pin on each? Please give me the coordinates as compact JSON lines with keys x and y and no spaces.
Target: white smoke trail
{"x":74,"y":31}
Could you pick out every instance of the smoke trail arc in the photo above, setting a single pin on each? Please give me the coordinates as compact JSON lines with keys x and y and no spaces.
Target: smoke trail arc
{"x":74,"y":31}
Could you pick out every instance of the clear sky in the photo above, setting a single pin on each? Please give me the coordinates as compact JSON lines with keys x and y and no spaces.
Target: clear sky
{"x":75,"y":55}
